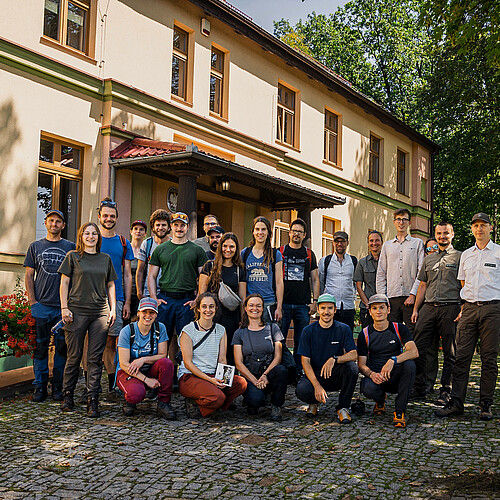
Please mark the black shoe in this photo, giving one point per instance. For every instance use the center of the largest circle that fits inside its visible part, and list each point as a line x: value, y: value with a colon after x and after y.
x: 417, y: 395
x: 68, y: 402
x: 165, y: 411
x: 93, y: 407
x: 192, y: 409
x: 152, y: 394
x: 486, y: 413
x: 40, y: 394
x: 449, y: 410
x: 57, y: 394
x: 276, y: 413
x: 128, y: 409
x: 444, y: 397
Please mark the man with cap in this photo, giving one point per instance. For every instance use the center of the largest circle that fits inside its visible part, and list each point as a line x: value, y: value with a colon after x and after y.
x: 214, y: 235
x: 336, y: 272
x: 42, y: 286
x: 385, y: 354
x: 329, y: 361
x: 479, y: 273
x: 209, y: 221
x: 142, y: 361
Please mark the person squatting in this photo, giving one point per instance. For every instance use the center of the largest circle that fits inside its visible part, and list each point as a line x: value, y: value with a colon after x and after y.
x: 210, y: 319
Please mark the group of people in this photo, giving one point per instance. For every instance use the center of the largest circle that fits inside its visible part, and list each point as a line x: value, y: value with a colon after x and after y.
x: 164, y: 312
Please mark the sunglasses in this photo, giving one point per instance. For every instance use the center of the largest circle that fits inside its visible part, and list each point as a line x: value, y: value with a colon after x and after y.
x: 433, y: 247
x: 179, y: 216
x: 111, y: 204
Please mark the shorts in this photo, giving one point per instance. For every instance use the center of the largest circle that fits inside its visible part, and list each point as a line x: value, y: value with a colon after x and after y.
x: 115, y: 330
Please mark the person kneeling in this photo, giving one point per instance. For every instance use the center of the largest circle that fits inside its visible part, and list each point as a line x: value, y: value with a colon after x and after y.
x: 386, y: 351
x: 142, y: 361
x: 329, y: 361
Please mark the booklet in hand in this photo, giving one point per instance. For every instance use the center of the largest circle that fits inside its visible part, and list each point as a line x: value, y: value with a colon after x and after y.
x: 225, y: 373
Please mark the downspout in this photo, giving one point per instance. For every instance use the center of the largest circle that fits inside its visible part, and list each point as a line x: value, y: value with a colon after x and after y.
x: 112, y: 182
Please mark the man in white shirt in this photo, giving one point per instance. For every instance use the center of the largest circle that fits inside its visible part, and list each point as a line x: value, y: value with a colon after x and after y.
x: 398, y: 266
x: 479, y: 272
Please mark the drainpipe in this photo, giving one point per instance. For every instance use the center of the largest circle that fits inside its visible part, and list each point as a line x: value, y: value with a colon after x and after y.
x: 112, y: 182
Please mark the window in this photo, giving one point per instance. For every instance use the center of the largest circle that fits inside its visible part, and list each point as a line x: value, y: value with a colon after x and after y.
x: 59, y: 179
x: 286, y: 131
x: 217, y: 82
x: 329, y: 227
x: 180, y: 63
x: 374, y: 173
x: 332, y: 138
x: 401, y: 186
x: 423, y: 189
x: 68, y: 22
x: 281, y: 234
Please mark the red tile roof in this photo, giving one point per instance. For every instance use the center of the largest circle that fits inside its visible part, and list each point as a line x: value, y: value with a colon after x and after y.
x: 138, y: 147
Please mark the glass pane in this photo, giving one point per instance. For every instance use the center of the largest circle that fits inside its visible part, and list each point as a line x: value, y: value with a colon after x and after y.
x: 51, y: 19
x: 68, y: 205
x: 328, y: 226
x: 423, y: 189
x: 331, y: 121
x: 401, y: 180
x: 288, y: 131
x: 375, y: 144
x: 217, y: 60
x: 43, y: 203
x: 279, y: 125
x: 70, y: 157
x: 332, y: 152
x: 215, y: 94
x: 284, y: 237
x: 180, y: 40
x: 76, y: 36
x: 374, y: 168
x: 327, y: 247
x: 46, y: 151
x: 401, y: 158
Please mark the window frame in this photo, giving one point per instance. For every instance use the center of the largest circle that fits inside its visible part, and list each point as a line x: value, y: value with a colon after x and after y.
x: 224, y: 87
x: 327, y: 237
x: 281, y: 109
x: 327, y: 133
x: 374, y: 154
x: 402, y: 167
x: 189, y: 59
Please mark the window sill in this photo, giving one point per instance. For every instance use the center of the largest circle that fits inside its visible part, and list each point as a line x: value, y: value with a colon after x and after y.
x: 219, y: 117
x: 331, y: 164
x: 403, y: 194
x: 45, y: 40
x: 286, y: 145
x: 181, y: 100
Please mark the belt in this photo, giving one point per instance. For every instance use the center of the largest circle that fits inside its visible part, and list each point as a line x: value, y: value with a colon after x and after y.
x: 484, y: 303
x: 437, y: 304
x: 179, y: 295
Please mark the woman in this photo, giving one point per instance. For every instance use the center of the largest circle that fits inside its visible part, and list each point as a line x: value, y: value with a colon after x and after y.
x: 197, y: 383
x: 264, y: 269
x: 137, y: 234
x: 87, y: 285
x: 431, y: 246
x: 142, y: 361
x: 226, y: 267
x: 257, y: 352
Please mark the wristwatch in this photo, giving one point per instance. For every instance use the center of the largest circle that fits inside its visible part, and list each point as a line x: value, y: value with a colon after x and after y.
x: 395, y: 359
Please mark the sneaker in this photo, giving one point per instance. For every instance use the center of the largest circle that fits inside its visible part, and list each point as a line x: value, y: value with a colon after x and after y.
x: 276, y: 413
x: 165, y: 411
x: 312, y: 410
x: 399, y: 419
x: 486, y: 413
x: 449, y: 410
x: 379, y: 408
x: 444, y: 397
x: 40, y: 394
x: 128, y: 409
x: 93, y: 408
x: 417, y: 395
x: 344, y: 416
x: 192, y: 409
x: 68, y: 402
x: 57, y: 394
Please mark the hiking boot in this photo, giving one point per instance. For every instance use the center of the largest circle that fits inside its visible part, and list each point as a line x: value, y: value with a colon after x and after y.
x: 128, y: 409
x: 486, y: 413
x: 115, y: 395
x: 416, y: 395
x: 444, y: 397
x: 344, y: 416
x: 57, y: 394
x: 165, y: 411
x: 93, y: 407
x: 192, y: 409
x: 151, y: 394
x: 450, y: 409
x: 399, y: 419
x: 67, y: 403
x: 312, y: 410
x: 40, y: 394
x: 276, y: 413
x: 379, y: 408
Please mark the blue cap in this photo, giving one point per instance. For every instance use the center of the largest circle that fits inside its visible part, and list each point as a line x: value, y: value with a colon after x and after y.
x: 58, y: 212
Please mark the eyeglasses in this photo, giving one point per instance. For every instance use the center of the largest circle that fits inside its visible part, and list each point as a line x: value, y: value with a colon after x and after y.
x: 433, y: 247
x: 297, y: 231
x: 210, y: 224
x: 401, y: 221
x: 111, y: 204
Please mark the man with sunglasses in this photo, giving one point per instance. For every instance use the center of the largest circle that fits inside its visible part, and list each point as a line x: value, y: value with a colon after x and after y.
x: 436, y: 310
x: 398, y: 266
x: 209, y: 222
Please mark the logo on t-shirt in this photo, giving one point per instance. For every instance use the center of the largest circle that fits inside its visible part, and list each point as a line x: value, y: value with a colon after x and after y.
x: 257, y: 274
x: 50, y: 259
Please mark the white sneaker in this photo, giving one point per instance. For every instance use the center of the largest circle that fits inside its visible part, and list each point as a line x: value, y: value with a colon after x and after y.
x: 312, y: 410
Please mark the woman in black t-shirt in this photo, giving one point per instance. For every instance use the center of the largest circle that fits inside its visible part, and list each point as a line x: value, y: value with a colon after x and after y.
x: 228, y: 268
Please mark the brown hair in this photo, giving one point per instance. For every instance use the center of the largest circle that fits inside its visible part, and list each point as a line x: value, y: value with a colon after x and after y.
x: 215, y: 273
x: 197, y: 303
x: 402, y: 211
x: 80, y: 247
x: 159, y: 214
x: 244, y: 316
x: 268, y: 248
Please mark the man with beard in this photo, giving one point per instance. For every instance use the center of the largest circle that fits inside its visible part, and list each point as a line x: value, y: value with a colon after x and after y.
x: 209, y: 221
x: 214, y: 235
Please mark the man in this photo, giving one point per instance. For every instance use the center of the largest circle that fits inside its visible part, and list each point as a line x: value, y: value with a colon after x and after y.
x: 214, y: 235
x: 159, y: 222
x: 209, y: 221
x: 300, y: 271
x: 121, y: 253
x: 386, y: 351
x: 436, y: 310
x: 42, y: 286
x: 365, y: 276
x: 180, y: 261
x: 398, y: 266
x: 329, y: 361
x: 336, y: 278
x: 479, y: 273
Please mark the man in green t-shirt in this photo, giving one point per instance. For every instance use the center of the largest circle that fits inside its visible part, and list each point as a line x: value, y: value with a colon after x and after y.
x: 180, y: 261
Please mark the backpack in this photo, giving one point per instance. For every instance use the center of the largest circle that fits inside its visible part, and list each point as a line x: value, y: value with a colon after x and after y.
x: 246, y: 253
x: 149, y: 246
x: 309, y: 257
x: 328, y: 259
x: 396, y: 329
x: 123, y: 241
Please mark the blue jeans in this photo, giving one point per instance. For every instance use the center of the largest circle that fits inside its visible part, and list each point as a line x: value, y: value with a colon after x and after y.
x: 45, y: 318
x: 174, y: 314
x: 300, y: 316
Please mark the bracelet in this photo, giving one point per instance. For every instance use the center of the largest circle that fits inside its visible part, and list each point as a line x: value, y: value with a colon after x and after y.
x: 144, y: 379
x: 63, y: 308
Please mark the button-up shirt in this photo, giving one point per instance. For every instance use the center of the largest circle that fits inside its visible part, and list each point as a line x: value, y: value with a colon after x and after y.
x: 439, y: 271
x: 366, y: 272
x: 338, y: 280
x: 398, y: 267
x: 480, y: 269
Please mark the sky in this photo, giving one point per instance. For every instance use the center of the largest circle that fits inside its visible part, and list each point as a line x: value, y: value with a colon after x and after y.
x: 264, y: 12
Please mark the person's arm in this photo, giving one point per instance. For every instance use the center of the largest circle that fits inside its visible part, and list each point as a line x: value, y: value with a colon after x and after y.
x: 381, y: 280
x: 375, y: 377
x: 29, y: 283
x: 242, y: 293
x: 222, y: 350
x: 315, y: 289
x: 420, y: 260
x: 419, y: 300
x: 263, y: 381
x: 319, y: 393
x: 240, y: 366
x: 327, y: 368
x: 280, y: 289
x: 112, y: 302
x: 203, y: 283
x: 139, y: 278
x: 362, y: 294
x: 127, y: 288
x: 66, y: 314
x: 322, y: 277
x: 152, y: 275
x: 133, y: 368
x: 410, y: 352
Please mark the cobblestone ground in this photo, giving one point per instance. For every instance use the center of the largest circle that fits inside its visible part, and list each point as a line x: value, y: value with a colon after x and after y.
x: 47, y: 454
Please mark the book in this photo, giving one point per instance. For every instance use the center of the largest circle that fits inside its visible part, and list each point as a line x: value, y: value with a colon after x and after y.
x: 225, y: 373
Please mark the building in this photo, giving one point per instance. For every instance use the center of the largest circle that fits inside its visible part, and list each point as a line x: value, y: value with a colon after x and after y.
x: 189, y: 103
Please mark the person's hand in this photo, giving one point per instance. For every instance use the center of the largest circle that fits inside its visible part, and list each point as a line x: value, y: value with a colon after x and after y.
x: 126, y: 311
x: 136, y: 365
x: 320, y: 394
x: 313, y: 307
x: 410, y: 300
x: 189, y: 303
x: 387, y: 369
x: 278, y: 314
x: 458, y: 317
x: 152, y: 383
x: 414, y: 316
x: 111, y: 317
x: 218, y: 383
x: 376, y: 378
x: 67, y: 316
x: 160, y: 301
x: 263, y: 382
x: 326, y: 370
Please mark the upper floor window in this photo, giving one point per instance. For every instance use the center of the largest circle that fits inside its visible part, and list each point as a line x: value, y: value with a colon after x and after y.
x: 332, y: 138
x: 330, y: 226
x: 375, y: 152
x: 282, y: 228
x: 401, y: 186
x: 287, y: 116
x: 217, y: 64
x: 423, y: 189
x: 180, y: 63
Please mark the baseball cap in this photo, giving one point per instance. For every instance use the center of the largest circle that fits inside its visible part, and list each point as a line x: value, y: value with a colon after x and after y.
x: 216, y: 229
x: 378, y: 298
x: 139, y: 222
x: 57, y: 212
x: 326, y: 297
x: 481, y: 216
x: 148, y: 303
x: 340, y: 234
x: 179, y: 216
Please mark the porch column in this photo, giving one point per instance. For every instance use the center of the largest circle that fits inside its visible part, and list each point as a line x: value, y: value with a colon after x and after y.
x: 304, y: 212
x: 187, y: 199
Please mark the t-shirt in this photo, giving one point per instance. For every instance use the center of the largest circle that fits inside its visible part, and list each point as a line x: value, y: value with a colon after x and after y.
x: 179, y: 265
x: 260, y: 277
x: 320, y: 344
x: 90, y: 274
x: 45, y: 257
x: 114, y: 248
x: 206, y: 356
x: 202, y: 242
x: 296, y: 274
x: 261, y: 341
x: 142, y: 343
x: 231, y: 276
x: 382, y: 345
x: 145, y: 252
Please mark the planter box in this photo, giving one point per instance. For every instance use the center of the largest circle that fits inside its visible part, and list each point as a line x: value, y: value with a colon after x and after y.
x: 12, y: 363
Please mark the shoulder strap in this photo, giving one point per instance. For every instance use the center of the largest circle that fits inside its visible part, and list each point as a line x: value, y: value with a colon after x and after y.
x: 282, y: 252
x: 204, y: 337
x: 354, y: 261
x: 396, y: 328
x: 328, y: 259
x: 246, y: 253
x: 123, y: 241
x: 149, y: 246
x: 309, y: 256
x: 273, y: 267
x: 132, y: 334
x: 367, y: 337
